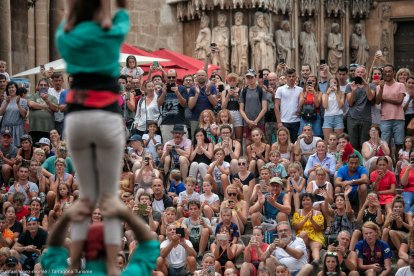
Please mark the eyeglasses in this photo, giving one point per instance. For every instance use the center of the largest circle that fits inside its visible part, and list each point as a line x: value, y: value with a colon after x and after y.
x: 171, y: 78
x: 320, y: 174
x: 232, y: 194
x: 188, y: 80
x: 31, y: 219
x: 354, y: 65
x: 242, y: 163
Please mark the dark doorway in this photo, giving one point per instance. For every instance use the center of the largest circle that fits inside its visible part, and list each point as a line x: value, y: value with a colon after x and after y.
x: 404, y: 45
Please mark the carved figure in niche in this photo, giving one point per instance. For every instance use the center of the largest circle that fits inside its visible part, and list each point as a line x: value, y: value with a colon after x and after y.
x: 335, y: 47
x: 283, y: 6
x: 269, y: 61
x: 203, y: 39
x: 239, y: 45
x: 257, y: 37
x: 221, y: 2
x: 203, y: 4
x: 235, y: 2
x: 359, y: 46
x: 386, y: 11
x: 221, y: 35
x: 284, y: 43
x: 308, y: 47
x: 190, y: 10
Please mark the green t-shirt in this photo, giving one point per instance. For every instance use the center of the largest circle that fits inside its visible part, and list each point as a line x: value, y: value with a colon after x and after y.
x: 142, y: 262
x: 40, y: 119
x: 90, y: 49
x: 49, y: 165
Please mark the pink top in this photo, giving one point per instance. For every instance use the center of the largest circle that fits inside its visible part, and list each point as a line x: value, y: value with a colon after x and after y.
x: 185, y: 144
x: 383, y: 185
x: 391, y: 111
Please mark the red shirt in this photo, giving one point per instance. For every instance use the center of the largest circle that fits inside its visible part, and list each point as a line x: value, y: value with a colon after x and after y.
x: 23, y: 213
x: 410, y: 185
x: 383, y: 185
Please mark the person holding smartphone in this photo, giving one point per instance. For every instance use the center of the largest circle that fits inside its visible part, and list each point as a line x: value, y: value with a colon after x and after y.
x: 253, y: 253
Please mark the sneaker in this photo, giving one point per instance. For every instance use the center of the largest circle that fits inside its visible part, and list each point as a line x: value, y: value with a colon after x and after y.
x: 315, y: 265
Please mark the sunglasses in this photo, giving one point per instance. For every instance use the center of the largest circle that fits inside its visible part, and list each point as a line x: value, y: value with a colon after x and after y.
x: 171, y: 78
x: 232, y: 194
x: 242, y: 163
x: 31, y: 219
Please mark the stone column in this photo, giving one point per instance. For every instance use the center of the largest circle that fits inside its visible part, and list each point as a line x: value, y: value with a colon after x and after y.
x: 320, y: 31
x: 31, y: 59
x: 347, y: 30
x: 5, y: 34
x: 295, y: 30
x: 56, y: 15
x: 41, y: 14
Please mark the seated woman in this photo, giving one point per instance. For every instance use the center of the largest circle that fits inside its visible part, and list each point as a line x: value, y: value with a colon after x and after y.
x: 36, y: 176
x: 309, y: 225
x: 374, y: 148
x: 210, y: 202
x: 207, y: 266
x: 231, y: 147
x: 12, y: 223
x: 406, y: 244
x: 407, y: 181
x: 339, y: 219
x: 244, y: 179
x: 347, y: 259
x: 201, y: 154
x: 370, y: 211
x: 253, y: 252
x: 318, y: 187
x: 397, y: 223
x: 36, y: 211
x: 331, y: 265
x: 145, y: 175
x: 224, y: 250
x: 288, y: 152
x: 126, y: 183
x: 404, y: 153
x: 322, y: 160
x: 383, y: 181
x: 25, y: 153
x: 238, y: 206
x: 257, y: 151
x: 218, y: 173
x: 55, y: 179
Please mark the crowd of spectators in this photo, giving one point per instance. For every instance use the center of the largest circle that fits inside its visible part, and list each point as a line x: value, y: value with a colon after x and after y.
x: 270, y: 173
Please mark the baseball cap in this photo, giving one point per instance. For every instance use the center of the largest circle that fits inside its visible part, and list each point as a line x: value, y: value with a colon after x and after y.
x: 276, y: 180
x: 6, y: 132
x: 44, y: 141
x: 251, y: 72
x: 11, y: 261
x: 135, y: 137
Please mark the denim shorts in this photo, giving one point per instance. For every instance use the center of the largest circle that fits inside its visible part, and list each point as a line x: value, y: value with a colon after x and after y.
x: 335, y: 122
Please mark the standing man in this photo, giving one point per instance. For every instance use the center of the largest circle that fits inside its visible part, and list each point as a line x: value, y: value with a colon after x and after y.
x: 56, y: 90
x: 390, y: 94
x: 173, y: 103
x: 200, y: 98
x: 8, y: 153
x: 359, y: 95
x: 304, y: 74
x: 270, y: 119
x: 286, y: 105
x: 252, y: 105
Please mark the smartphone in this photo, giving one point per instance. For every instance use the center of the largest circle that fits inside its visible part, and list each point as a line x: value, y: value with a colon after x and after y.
x: 210, y: 270
x: 282, y: 61
x: 275, y: 236
x: 376, y: 77
x: 411, y: 160
x: 212, y: 44
x: 358, y: 80
x: 221, y: 87
x: 180, y: 231
x: 38, y: 171
x: 137, y: 91
x: 121, y: 87
x: 336, y: 243
x: 147, y: 159
x: 142, y: 208
x: 253, y: 239
x: 266, y: 83
x: 322, y: 61
x: 155, y: 64
x: 43, y: 91
x: 42, y: 67
x: 221, y: 237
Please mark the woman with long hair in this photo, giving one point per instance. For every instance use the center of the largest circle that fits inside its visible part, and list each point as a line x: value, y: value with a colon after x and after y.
x: 310, y: 101
x: 288, y: 152
x: 331, y: 265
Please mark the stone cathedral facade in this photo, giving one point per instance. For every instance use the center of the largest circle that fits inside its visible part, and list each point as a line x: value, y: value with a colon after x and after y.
x: 259, y: 33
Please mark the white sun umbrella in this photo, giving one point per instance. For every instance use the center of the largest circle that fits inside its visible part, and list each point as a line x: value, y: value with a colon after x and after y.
x: 60, y: 65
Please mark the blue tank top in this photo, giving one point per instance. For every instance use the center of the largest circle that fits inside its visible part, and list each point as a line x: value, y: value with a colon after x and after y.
x: 269, y: 210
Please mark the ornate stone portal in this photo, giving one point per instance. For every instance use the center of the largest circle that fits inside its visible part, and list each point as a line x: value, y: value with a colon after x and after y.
x: 265, y: 32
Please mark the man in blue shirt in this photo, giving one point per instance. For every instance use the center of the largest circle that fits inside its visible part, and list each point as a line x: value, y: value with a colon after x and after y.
x: 354, y: 175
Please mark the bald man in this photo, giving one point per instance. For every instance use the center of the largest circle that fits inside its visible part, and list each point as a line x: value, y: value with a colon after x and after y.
x: 202, y: 96
x: 173, y: 102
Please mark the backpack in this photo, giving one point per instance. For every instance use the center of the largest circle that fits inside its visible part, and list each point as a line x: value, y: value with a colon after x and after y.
x: 258, y: 88
x: 308, y: 112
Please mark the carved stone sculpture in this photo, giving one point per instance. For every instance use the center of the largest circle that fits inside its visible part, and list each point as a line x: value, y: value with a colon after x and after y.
x: 359, y: 46
x: 203, y: 39
x: 257, y: 38
x: 309, y: 7
x: 284, y: 43
x: 335, y: 7
x: 270, y: 59
x: 308, y: 47
x: 239, y: 45
x: 283, y: 6
x: 235, y: 2
x: 221, y: 35
x: 335, y: 47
